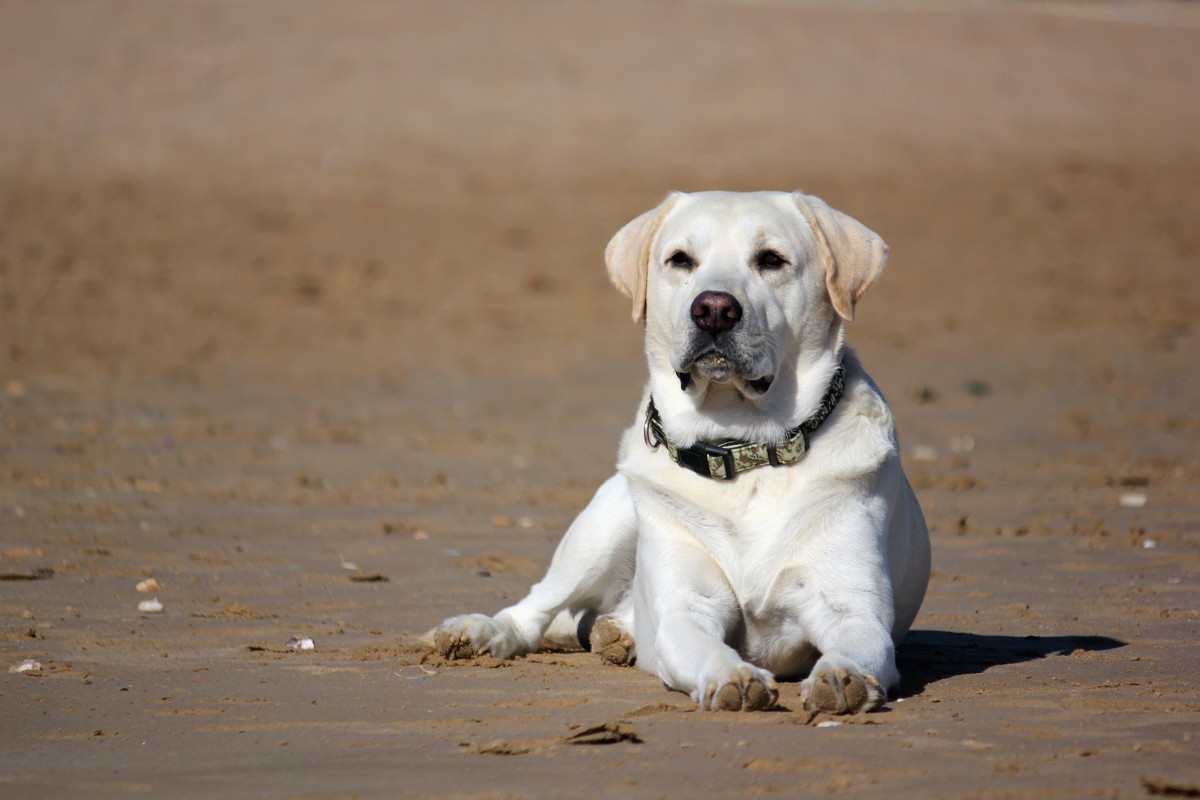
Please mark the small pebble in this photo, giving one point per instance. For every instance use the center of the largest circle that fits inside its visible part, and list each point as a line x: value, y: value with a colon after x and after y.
x: 150, y: 606
x: 923, y: 452
x: 977, y: 388
x: 28, y: 665
x: 829, y: 723
x: 416, y: 673
x: 962, y: 444
x: 150, y: 585
x: 1149, y: 544
x: 301, y: 643
x: 1133, y: 500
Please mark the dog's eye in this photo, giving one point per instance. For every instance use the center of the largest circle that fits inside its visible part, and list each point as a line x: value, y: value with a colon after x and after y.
x: 769, y: 259
x: 681, y: 260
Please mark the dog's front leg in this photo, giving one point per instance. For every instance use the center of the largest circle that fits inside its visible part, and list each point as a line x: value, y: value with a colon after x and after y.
x: 849, y: 611
x: 590, y: 569
x: 684, y: 613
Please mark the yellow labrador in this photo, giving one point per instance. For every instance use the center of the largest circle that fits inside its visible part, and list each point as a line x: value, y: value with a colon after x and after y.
x: 759, y: 524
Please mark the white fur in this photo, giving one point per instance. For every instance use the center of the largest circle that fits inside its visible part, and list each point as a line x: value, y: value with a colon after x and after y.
x: 815, y: 569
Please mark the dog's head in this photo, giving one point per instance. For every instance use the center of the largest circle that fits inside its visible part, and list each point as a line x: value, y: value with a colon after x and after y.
x: 737, y: 289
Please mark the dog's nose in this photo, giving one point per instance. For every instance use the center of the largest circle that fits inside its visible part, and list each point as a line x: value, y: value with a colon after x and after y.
x: 716, y: 311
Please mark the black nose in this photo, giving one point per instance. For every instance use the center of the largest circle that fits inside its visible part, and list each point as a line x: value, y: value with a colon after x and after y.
x: 716, y: 311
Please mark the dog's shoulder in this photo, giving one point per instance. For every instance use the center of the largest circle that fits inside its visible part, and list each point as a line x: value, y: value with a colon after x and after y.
x: 863, y: 403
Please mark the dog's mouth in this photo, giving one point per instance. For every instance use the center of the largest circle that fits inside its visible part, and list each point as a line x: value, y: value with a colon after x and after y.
x: 721, y: 367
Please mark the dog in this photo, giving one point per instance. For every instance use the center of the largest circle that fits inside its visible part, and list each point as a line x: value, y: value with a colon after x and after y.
x: 759, y: 525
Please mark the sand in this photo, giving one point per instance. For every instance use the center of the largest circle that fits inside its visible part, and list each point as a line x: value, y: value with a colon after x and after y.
x: 303, y: 316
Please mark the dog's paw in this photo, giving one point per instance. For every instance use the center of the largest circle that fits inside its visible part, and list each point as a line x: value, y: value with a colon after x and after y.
x: 470, y: 635
x: 450, y: 644
x: 612, y: 644
x: 838, y: 686
x: 747, y: 688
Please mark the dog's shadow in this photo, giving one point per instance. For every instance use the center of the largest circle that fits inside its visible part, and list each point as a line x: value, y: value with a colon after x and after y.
x: 926, y: 657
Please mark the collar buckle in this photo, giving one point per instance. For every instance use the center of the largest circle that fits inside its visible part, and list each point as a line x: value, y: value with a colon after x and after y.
x: 697, y: 459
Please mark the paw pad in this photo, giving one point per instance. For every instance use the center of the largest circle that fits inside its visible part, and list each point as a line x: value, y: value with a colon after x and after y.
x: 612, y: 644
x: 843, y: 692
x: 741, y: 694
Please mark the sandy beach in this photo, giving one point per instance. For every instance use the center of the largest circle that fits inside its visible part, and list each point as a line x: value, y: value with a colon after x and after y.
x: 305, y: 335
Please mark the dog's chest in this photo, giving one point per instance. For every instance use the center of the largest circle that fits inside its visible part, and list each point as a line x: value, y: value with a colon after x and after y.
x: 769, y: 568
x: 752, y: 527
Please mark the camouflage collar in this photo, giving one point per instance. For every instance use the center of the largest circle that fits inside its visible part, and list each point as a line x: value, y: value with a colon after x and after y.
x: 723, y: 461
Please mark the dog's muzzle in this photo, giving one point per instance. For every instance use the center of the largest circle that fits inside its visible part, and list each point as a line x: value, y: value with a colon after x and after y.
x: 715, y: 348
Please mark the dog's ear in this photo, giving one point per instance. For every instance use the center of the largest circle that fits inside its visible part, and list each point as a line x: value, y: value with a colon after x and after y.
x: 854, y: 254
x: 628, y: 255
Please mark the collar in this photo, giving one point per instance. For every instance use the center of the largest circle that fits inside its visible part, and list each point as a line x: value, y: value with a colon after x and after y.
x: 723, y: 461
